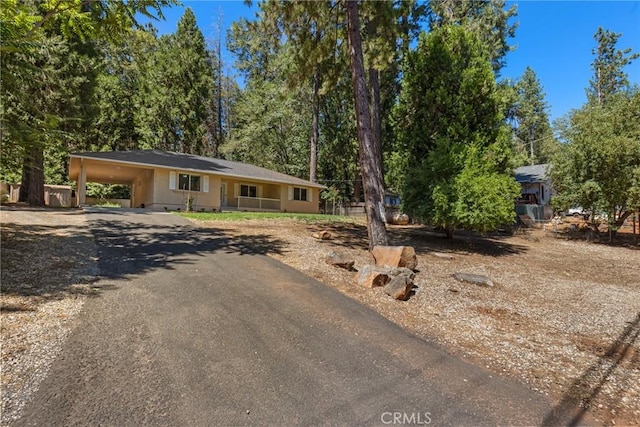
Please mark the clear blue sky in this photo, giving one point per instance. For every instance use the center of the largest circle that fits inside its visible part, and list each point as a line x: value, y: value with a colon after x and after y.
x: 554, y: 38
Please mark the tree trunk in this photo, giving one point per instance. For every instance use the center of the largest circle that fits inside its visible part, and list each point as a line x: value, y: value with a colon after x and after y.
x: 315, y: 132
x: 376, y: 122
x: 32, y: 186
x: 370, y: 164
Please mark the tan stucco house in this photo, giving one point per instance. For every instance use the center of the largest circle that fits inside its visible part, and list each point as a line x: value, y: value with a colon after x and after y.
x: 166, y: 180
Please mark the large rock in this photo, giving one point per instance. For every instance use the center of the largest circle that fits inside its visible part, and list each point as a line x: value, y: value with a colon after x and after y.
x: 400, y: 219
x: 371, y: 276
x: 399, y: 287
x: 395, y: 256
x: 338, y: 259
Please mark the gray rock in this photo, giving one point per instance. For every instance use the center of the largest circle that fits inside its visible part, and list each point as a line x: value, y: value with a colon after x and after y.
x: 476, y: 279
x: 399, y: 287
x: 338, y: 259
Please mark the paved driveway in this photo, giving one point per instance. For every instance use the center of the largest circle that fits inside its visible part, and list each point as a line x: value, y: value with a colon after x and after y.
x: 191, y: 327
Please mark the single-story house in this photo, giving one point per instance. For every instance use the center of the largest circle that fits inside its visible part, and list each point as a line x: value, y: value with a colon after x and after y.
x: 165, y: 180
x: 535, y: 192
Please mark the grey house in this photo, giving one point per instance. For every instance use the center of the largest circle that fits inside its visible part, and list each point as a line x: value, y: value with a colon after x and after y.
x: 535, y: 191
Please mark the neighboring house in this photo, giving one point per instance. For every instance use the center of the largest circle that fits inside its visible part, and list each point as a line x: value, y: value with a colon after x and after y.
x: 166, y: 180
x: 391, y: 199
x: 535, y: 192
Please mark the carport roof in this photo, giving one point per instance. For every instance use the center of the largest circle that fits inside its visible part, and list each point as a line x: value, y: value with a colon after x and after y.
x: 189, y: 162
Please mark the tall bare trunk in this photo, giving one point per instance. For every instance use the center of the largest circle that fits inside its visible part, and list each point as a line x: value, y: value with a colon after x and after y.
x: 315, y: 130
x: 376, y: 123
x: 32, y: 186
x: 370, y: 163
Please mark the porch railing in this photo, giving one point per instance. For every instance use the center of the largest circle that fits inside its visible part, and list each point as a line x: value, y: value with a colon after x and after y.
x: 260, y: 203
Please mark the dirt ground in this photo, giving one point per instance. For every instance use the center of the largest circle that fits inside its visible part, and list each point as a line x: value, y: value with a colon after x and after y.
x: 563, y: 317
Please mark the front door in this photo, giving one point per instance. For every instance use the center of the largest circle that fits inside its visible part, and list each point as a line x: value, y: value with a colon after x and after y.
x: 223, y: 194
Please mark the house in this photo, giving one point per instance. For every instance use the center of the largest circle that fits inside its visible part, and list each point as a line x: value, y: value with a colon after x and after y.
x: 536, y: 191
x: 165, y: 180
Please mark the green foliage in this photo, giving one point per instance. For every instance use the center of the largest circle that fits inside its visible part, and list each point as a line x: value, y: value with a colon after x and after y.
x: 455, y: 146
x: 599, y: 166
x: 608, y: 67
x: 488, y: 19
x: 532, y: 131
x: 175, y: 91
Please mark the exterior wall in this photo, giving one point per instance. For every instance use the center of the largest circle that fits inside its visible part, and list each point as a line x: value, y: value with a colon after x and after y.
x: 299, y: 206
x: 142, y: 188
x: 164, y: 197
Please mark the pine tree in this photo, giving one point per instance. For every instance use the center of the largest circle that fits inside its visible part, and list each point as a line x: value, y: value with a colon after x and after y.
x: 532, y: 121
x: 608, y: 67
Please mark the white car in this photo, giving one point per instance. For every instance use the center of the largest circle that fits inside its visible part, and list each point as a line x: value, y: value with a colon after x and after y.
x: 578, y: 211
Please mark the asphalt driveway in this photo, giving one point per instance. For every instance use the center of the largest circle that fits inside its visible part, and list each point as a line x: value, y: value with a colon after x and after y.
x: 191, y: 327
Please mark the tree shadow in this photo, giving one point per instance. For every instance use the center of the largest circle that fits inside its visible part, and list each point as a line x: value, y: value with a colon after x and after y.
x: 424, y: 239
x: 46, y: 262
x: 580, y: 396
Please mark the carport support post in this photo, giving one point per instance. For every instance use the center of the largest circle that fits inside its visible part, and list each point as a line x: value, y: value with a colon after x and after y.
x: 82, y: 184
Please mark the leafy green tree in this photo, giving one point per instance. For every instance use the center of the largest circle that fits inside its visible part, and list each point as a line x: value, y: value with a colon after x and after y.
x: 608, y: 67
x: 599, y: 165
x: 455, y: 143
x: 532, y: 121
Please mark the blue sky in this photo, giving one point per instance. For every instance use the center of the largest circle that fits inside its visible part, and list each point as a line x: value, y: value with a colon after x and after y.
x: 554, y: 38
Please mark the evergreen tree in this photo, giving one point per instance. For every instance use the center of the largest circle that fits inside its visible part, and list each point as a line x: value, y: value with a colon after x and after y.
x: 608, y: 67
x: 456, y: 146
x: 532, y: 121
x: 488, y: 19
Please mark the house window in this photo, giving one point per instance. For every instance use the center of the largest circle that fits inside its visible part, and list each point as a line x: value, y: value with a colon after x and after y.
x: 189, y: 182
x: 300, y: 194
x: 248, y: 190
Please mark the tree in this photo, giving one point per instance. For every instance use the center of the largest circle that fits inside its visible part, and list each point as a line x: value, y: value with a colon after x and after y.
x: 488, y: 19
x: 370, y: 160
x: 454, y: 139
x: 608, y: 67
x: 532, y: 121
x: 598, y: 167
x: 598, y: 164
x: 27, y: 30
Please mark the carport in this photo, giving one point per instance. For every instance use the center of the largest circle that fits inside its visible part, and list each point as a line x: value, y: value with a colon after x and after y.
x: 84, y: 170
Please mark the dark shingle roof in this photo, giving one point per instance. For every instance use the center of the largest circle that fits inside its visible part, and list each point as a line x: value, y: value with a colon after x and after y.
x: 189, y: 162
x: 534, y: 173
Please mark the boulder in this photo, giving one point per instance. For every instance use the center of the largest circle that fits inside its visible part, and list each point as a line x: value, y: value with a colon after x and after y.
x: 371, y: 276
x: 399, y: 287
x: 338, y: 259
x: 399, y: 219
x: 476, y: 279
x: 322, y: 235
x: 395, y: 256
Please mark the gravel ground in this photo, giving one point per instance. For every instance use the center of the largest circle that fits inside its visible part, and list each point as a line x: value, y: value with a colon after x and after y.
x: 563, y: 317
x: 47, y: 262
